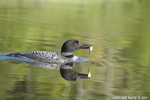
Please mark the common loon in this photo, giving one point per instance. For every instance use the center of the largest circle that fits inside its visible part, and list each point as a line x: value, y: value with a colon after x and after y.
x: 50, y: 56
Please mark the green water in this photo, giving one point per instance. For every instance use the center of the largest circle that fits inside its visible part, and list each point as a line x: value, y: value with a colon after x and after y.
x: 119, y: 30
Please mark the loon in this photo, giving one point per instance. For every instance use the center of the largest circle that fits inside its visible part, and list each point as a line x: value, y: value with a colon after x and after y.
x: 50, y: 56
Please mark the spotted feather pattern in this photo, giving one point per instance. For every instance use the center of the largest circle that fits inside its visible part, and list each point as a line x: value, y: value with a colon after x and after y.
x: 42, y: 56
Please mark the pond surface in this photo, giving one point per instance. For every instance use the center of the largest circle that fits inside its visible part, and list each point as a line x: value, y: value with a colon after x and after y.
x: 118, y: 30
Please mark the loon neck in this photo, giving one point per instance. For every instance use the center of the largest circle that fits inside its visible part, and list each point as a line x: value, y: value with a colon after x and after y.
x: 67, y: 54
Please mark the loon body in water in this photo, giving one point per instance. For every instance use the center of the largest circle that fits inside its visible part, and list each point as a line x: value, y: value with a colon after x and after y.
x: 50, y: 56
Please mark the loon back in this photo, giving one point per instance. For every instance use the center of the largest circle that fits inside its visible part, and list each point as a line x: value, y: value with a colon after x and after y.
x: 41, y: 56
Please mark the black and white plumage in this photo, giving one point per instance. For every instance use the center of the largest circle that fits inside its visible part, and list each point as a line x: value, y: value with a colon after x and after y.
x: 40, y: 56
x: 43, y: 58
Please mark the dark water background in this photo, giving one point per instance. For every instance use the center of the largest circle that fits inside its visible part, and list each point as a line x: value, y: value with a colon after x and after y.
x: 119, y: 30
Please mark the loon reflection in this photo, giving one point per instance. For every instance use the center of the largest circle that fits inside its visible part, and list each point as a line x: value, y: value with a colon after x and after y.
x: 65, y: 70
x: 68, y: 74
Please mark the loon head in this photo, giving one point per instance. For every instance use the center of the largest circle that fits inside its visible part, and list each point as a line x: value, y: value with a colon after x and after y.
x: 72, y: 45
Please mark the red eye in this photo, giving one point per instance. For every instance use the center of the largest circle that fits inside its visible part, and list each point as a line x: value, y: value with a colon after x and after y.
x: 76, y: 44
x: 74, y: 77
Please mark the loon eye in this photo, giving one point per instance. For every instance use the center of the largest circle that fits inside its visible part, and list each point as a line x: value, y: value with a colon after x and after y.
x: 76, y: 44
x: 74, y: 77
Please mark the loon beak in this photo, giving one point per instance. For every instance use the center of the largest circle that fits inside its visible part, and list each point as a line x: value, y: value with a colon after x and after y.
x: 86, y: 46
x: 84, y: 76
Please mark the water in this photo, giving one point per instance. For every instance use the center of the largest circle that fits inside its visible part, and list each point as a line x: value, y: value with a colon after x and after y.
x: 118, y: 30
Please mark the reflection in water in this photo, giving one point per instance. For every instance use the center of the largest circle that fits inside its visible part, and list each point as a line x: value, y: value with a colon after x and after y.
x: 70, y: 75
